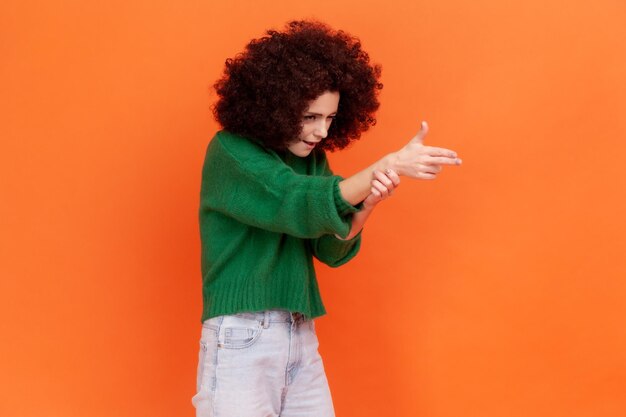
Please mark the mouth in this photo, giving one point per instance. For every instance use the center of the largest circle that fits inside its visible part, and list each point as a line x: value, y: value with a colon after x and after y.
x: 310, y: 144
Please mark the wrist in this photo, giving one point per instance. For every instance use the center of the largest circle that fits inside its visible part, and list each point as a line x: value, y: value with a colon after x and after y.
x: 367, y: 208
x: 390, y: 161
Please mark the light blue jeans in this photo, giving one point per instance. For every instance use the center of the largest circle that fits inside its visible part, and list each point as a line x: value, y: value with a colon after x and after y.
x: 263, y: 364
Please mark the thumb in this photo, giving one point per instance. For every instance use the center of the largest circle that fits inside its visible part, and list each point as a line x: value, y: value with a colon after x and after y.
x: 419, y: 138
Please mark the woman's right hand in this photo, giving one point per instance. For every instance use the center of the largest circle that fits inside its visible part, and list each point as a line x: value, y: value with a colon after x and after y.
x: 416, y: 160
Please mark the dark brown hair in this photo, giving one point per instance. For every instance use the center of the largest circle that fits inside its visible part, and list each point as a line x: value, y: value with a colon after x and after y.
x: 266, y: 89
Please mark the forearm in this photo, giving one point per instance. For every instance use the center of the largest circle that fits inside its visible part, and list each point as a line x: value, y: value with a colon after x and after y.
x: 358, y: 221
x: 269, y: 194
x: 414, y: 160
x: 356, y: 188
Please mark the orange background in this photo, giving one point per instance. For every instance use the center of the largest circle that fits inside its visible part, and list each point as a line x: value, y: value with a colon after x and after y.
x: 497, y: 290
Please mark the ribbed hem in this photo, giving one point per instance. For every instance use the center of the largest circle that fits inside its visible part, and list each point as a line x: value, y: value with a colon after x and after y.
x: 254, y: 294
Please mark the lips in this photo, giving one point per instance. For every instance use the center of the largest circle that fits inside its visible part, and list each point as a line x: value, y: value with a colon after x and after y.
x: 311, y: 144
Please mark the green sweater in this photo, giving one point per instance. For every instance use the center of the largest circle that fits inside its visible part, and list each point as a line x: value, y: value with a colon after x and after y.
x: 263, y: 216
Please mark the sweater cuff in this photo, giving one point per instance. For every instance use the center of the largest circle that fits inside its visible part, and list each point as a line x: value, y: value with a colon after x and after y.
x: 343, y: 207
x: 335, y: 252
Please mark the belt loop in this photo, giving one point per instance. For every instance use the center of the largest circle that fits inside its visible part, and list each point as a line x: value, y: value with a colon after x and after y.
x: 297, y: 317
x: 266, y: 319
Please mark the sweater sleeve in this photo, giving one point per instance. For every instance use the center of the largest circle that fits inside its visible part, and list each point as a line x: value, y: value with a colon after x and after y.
x: 328, y: 248
x: 242, y: 180
x: 335, y: 252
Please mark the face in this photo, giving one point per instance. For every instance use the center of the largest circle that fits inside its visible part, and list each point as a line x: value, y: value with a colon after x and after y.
x: 315, y: 123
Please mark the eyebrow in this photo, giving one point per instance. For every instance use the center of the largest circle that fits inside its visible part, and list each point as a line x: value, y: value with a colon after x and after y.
x: 318, y: 114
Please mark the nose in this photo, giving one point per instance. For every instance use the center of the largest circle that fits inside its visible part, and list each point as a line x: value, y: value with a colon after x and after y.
x: 322, y: 129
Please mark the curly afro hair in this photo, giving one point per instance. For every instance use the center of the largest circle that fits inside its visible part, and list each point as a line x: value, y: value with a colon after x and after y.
x: 266, y: 89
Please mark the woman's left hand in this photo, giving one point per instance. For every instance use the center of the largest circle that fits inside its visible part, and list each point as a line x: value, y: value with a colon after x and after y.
x: 383, y: 185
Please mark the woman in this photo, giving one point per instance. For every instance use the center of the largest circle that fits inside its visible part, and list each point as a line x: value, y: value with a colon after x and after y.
x: 270, y: 203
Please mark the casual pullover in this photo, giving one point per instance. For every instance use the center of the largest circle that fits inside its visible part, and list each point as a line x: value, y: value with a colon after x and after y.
x: 263, y: 216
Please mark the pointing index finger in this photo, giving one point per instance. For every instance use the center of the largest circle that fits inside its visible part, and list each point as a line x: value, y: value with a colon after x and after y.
x: 434, y: 151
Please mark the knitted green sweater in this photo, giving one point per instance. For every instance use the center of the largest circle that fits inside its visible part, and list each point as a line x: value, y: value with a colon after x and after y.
x: 263, y: 216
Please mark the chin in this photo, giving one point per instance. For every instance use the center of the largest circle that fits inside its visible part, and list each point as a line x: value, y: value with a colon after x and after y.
x: 302, y: 153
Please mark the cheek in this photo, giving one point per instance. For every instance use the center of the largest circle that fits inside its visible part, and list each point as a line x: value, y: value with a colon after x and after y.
x: 306, y: 131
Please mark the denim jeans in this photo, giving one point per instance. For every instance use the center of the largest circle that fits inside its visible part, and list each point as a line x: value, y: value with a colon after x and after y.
x: 262, y: 364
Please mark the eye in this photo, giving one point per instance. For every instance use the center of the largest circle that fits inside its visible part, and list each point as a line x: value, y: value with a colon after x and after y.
x: 309, y: 118
x: 332, y: 117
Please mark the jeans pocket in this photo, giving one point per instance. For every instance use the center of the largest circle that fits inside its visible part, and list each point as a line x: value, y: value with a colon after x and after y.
x: 238, y: 333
